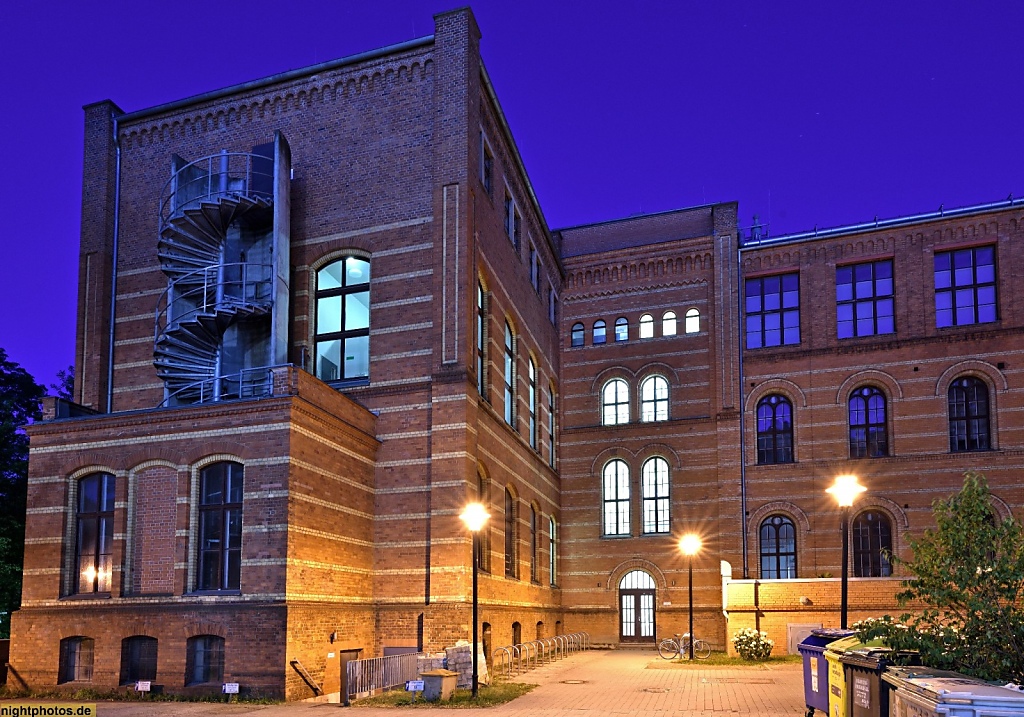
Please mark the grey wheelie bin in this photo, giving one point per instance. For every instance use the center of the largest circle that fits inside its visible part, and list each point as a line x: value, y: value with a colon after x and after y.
x: 917, y: 692
x: 816, y: 668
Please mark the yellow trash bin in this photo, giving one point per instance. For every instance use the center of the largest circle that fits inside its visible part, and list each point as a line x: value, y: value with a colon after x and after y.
x: 836, y: 679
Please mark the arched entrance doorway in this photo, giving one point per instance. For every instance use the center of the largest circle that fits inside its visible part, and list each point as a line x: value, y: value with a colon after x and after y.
x: 636, y: 607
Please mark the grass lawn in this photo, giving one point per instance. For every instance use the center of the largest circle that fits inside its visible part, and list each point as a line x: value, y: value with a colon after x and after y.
x: 498, y: 693
x: 722, y: 659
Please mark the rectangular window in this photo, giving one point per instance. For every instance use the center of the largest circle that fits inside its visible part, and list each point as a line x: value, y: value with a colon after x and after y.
x: 552, y: 304
x: 773, y: 310
x: 481, y: 342
x: 551, y: 426
x: 510, y: 378
x: 864, y: 299
x: 965, y: 287
x: 486, y: 166
x: 513, y: 222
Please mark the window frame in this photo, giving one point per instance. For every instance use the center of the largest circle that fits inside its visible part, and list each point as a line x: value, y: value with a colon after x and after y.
x: 552, y: 551
x: 76, y: 659
x: 212, y: 666
x: 875, y: 443
x: 965, y: 431
x: 531, y: 395
x: 691, y: 321
x: 869, y: 546
x: 599, y: 338
x: 577, y: 335
x: 621, y: 330
x: 984, y: 281
x: 483, y: 491
x: 775, y: 523
x: 849, y: 299
x: 510, y: 377
x: 136, y: 661
x: 654, y: 409
x: 343, y: 335
x: 775, y: 445
x: 94, y: 565
x: 619, y: 402
x: 762, y: 301
x: 227, y: 559
x: 481, y: 342
x: 511, y: 534
x: 646, y: 326
x: 534, y: 545
x: 615, y: 499
x: 656, y: 496
x: 552, y: 445
x: 669, y: 324
x: 486, y: 165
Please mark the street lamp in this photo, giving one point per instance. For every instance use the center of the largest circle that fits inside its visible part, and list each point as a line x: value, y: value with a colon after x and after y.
x: 690, y: 545
x: 845, y: 490
x: 475, y: 517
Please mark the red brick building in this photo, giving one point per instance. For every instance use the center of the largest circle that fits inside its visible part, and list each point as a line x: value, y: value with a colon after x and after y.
x: 343, y: 317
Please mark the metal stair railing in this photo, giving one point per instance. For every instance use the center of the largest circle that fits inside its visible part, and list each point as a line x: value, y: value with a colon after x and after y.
x: 255, y: 382
x: 208, y: 179
x: 221, y: 287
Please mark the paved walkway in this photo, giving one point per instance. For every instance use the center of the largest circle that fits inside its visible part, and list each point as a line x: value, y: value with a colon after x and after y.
x: 589, y: 684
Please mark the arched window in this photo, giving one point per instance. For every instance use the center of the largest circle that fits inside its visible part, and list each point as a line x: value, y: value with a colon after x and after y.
x: 646, y: 326
x: 483, y: 494
x: 774, y: 430
x: 616, y: 498
x: 75, y: 661
x: 95, y: 540
x: 552, y: 551
x: 534, y: 546
x: 204, y: 660
x: 511, y: 536
x: 621, y: 329
x: 778, y: 548
x: 599, y: 332
x: 531, y: 395
x: 968, y: 415
x: 138, y: 659
x: 868, y: 432
x: 655, y: 493
x: 872, y: 544
x: 615, y: 403
x: 577, y: 334
x: 481, y: 341
x: 220, y: 527
x: 668, y: 324
x: 692, y: 324
x: 510, y: 377
x: 343, y: 320
x: 551, y: 425
x: 654, y: 399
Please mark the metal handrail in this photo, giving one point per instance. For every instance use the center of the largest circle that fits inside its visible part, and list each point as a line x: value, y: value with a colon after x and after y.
x: 214, y: 287
x: 235, y: 386
x: 225, y: 174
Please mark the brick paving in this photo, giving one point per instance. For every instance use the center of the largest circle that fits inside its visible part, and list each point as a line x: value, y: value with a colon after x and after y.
x: 590, y: 684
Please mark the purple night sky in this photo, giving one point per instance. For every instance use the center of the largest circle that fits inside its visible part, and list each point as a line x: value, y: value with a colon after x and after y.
x: 807, y: 113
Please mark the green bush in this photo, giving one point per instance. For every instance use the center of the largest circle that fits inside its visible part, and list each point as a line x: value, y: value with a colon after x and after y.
x: 753, y: 645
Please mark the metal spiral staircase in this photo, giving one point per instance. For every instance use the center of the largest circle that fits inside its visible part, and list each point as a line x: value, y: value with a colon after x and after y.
x: 218, y: 305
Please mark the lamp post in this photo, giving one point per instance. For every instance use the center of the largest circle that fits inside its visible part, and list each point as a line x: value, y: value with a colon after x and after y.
x: 475, y: 517
x: 845, y: 490
x: 690, y: 545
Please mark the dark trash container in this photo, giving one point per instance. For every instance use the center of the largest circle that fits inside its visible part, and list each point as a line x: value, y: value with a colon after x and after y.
x: 816, y: 668
x: 921, y: 691
x: 868, y: 695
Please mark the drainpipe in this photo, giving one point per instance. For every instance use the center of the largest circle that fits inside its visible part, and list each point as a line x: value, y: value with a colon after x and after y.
x: 113, y: 270
x: 743, y: 394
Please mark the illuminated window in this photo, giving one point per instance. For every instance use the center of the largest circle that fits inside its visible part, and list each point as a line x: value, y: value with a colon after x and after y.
x: 481, y: 341
x: 773, y: 311
x: 778, y: 548
x: 864, y: 299
x: 95, y: 541
x: 668, y: 324
x: 655, y: 495
x: 692, y: 321
x: 343, y: 320
x: 531, y: 395
x: 869, y: 437
x: 872, y: 545
x: 577, y: 334
x: 646, y: 326
x: 965, y: 287
x: 510, y: 377
x: 621, y: 329
x: 615, y: 403
x: 774, y: 430
x: 616, y: 498
x: 654, y: 399
x: 599, y: 332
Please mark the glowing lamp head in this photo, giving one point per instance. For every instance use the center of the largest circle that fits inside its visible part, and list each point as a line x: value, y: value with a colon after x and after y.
x: 475, y: 516
x: 690, y: 544
x: 845, y: 490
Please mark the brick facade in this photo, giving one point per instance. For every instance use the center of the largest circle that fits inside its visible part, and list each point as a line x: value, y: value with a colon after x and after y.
x: 348, y: 536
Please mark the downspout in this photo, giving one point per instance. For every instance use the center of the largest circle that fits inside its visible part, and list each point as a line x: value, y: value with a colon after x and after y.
x: 113, y: 270
x: 743, y: 461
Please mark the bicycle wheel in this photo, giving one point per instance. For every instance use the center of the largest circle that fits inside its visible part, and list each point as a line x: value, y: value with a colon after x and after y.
x: 701, y: 650
x: 668, y: 649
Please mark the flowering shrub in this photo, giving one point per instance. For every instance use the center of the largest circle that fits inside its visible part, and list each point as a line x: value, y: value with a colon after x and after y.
x: 752, y: 645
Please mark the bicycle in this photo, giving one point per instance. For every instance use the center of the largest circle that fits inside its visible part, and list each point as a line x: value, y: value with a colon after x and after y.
x: 679, y: 646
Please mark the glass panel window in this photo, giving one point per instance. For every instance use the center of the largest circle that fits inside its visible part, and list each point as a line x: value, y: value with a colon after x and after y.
x: 510, y: 377
x: 343, y: 320
x: 577, y: 334
x: 220, y: 527
x: 486, y: 166
x: 599, y: 332
x: 553, y: 551
x: 138, y: 659
x: 481, y: 341
x: 615, y: 403
x: 968, y: 415
x: 668, y: 324
x: 531, y: 395
x: 76, y: 660
x: 872, y: 545
x: 646, y: 326
x: 864, y: 299
x: 655, y: 490
x: 654, y: 399
x: 773, y: 311
x: 534, y: 546
x: 692, y: 325
x: 616, y: 498
x: 204, y: 660
x: 551, y: 426
x: 621, y: 329
x: 774, y: 430
x: 95, y: 519
x: 484, y: 496
x: 778, y: 548
x: 511, y: 536
x: 965, y: 287
x: 868, y: 428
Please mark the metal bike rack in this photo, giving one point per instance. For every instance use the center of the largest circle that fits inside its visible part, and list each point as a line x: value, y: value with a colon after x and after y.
x: 527, y: 655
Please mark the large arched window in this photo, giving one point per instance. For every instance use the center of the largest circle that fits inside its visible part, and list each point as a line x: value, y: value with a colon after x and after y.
x: 872, y: 544
x: 483, y: 494
x: 95, y: 540
x: 552, y: 551
x: 481, y: 341
x: 774, y: 430
x: 655, y: 495
x: 531, y: 396
x: 778, y: 548
x: 615, y: 403
x: 600, y: 332
x: 343, y: 320
x: 621, y: 329
x: 577, y: 334
x: 869, y: 436
x: 138, y: 659
x: 220, y: 527
x: 551, y: 425
x: 668, y: 324
x: 510, y: 377
x: 692, y: 324
x: 646, y: 326
x: 654, y: 399
x: 204, y: 660
x: 511, y: 535
x: 616, y: 498
x: 968, y: 415
x: 534, y: 545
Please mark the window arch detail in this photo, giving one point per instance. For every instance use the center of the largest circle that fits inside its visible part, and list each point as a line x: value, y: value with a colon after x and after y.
x: 654, y: 401
x: 342, y: 320
x: 969, y: 412
x: 872, y: 544
x: 94, y: 520
x: 576, y: 336
x: 691, y: 324
x: 621, y: 329
x: 511, y: 534
x: 600, y: 332
x: 646, y: 326
x: 869, y: 434
x: 655, y: 484
x: 615, y: 491
x: 510, y: 376
x: 778, y: 548
x: 774, y: 430
x: 668, y: 324
x: 615, y: 403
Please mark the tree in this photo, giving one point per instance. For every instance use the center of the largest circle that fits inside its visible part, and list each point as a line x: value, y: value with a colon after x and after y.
x: 19, y: 405
x: 969, y: 572
x: 64, y: 386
